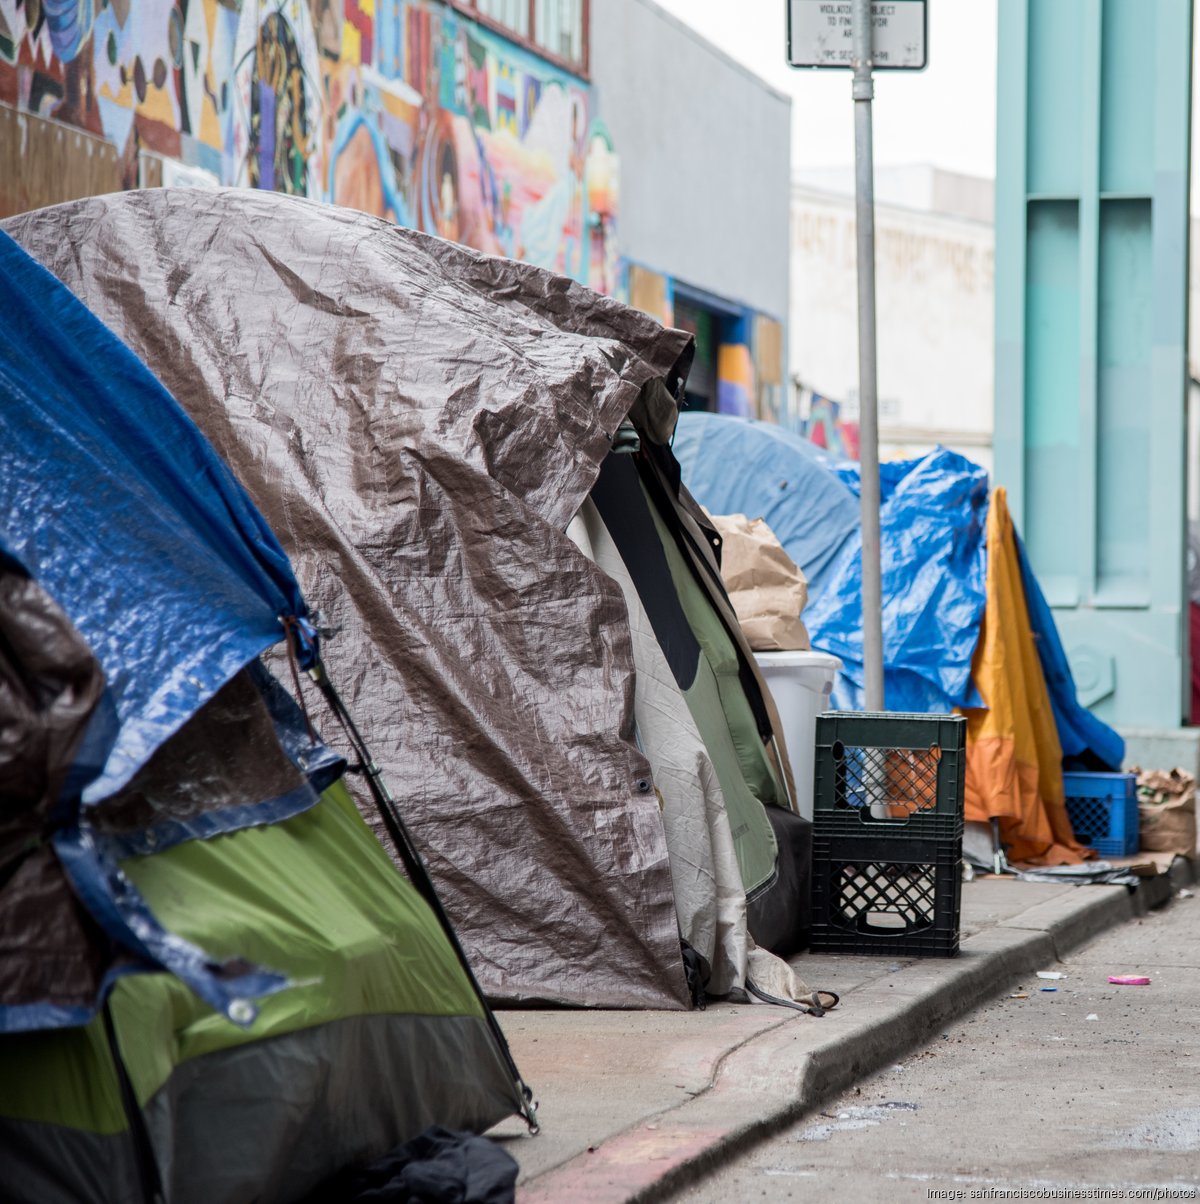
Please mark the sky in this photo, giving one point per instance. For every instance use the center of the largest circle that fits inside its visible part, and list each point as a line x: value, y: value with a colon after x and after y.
x: 944, y: 115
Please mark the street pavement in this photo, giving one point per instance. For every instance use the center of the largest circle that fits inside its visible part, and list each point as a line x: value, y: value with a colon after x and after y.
x: 637, y: 1104
x: 1059, y: 1084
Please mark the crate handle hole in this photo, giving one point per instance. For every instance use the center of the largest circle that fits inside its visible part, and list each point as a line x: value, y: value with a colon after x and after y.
x: 838, y: 750
x: 890, y: 921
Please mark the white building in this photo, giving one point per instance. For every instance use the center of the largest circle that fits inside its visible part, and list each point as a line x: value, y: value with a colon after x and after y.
x: 934, y: 261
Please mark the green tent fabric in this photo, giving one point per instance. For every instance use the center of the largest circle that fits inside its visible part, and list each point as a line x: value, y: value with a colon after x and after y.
x: 380, y: 1036
x: 722, y: 713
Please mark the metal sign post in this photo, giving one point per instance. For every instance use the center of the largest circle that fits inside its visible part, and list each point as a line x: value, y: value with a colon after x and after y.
x: 863, y: 90
x: 840, y: 34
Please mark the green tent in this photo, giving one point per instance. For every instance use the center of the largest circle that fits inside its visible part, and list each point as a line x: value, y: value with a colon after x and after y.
x: 380, y: 1035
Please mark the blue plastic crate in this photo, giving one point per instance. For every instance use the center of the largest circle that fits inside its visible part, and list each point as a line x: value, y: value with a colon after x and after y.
x: 1103, y: 810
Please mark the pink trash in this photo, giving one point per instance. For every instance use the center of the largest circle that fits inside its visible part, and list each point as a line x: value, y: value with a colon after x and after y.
x: 1128, y: 980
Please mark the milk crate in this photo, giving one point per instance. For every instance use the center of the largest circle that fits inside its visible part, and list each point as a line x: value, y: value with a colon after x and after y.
x: 884, y: 774
x: 887, y: 834
x: 1103, y: 810
x: 867, y: 900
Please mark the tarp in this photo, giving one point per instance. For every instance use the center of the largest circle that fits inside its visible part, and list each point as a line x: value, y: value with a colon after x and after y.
x: 111, y: 496
x: 1014, y: 760
x: 931, y: 524
x: 140, y: 581
x: 419, y: 423
x: 735, y: 466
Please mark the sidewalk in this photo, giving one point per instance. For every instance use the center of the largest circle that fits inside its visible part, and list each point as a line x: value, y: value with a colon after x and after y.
x: 636, y: 1104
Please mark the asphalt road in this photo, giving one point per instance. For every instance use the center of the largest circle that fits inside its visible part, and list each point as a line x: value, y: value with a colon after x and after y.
x: 1087, y: 1086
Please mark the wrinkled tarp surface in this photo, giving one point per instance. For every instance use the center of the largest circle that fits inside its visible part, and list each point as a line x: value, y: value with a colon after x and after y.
x: 1014, y: 760
x: 140, y: 580
x: 419, y: 423
x: 931, y: 526
x: 779, y: 477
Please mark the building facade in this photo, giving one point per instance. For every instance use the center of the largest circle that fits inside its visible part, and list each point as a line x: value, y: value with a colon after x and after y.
x: 473, y: 120
x: 705, y: 163
x: 934, y: 268
x: 482, y: 121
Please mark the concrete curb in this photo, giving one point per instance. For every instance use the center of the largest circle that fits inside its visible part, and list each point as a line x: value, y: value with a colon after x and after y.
x: 766, y: 1084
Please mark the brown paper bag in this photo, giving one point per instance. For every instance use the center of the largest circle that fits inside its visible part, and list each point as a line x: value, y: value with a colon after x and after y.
x: 767, y: 588
x: 1167, y: 810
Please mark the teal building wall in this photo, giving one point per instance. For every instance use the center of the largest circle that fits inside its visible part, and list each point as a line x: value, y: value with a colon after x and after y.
x: 1094, y: 100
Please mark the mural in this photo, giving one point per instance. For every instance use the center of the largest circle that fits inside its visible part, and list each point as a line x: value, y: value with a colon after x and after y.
x: 827, y: 428
x: 402, y: 108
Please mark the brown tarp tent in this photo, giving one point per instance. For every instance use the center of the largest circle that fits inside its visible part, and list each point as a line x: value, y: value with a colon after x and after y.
x: 419, y: 423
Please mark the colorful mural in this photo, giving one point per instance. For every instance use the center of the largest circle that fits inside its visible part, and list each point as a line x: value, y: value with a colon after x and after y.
x: 827, y: 428
x: 403, y: 108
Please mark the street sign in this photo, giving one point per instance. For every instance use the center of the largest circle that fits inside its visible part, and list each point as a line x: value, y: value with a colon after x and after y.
x: 821, y: 34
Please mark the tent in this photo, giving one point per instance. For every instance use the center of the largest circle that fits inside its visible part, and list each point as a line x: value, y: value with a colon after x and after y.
x: 211, y: 976
x: 420, y: 424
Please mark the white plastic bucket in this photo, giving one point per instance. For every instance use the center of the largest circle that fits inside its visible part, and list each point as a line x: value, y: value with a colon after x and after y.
x: 800, y: 683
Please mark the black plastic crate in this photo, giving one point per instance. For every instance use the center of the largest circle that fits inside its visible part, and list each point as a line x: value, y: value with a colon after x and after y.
x: 866, y: 903
x: 887, y: 834
x: 885, y: 774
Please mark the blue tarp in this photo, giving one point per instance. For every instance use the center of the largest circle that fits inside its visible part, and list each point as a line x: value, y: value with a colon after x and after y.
x: 118, y: 505
x: 932, y: 528
x: 112, y: 498
x: 932, y: 524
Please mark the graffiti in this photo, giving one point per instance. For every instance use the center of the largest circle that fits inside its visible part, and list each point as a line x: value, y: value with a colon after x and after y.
x: 826, y: 427
x: 405, y: 109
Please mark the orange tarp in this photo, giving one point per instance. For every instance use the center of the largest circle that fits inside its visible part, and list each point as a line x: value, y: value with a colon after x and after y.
x: 1014, y: 761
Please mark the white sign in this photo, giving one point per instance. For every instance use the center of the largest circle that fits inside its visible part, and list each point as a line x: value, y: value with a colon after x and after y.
x: 821, y: 34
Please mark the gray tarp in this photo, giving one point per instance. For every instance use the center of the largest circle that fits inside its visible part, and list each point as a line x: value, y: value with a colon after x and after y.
x: 419, y: 423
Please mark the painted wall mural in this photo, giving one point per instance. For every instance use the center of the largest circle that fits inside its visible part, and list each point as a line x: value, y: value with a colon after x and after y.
x: 403, y: 108
x: 828, y: 427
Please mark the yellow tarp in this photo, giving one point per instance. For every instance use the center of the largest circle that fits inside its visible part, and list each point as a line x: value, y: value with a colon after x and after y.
x: 1014, y: 761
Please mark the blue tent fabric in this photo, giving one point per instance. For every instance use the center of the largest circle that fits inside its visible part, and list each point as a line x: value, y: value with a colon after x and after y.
x: 739, y: 466
x: 112, y: 497
x: 116, y: 503
x: 932, y: 536
x: 1085, y: 739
